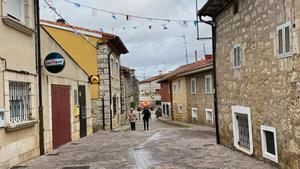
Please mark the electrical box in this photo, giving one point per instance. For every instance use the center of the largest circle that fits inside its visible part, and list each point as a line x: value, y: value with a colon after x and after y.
x: 2, y: 119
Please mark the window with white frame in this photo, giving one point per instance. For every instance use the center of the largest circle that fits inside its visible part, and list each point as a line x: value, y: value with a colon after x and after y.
x: 237, y: 56
x: 242, y: 129
x: 15, y: 9
x: 193, y: 86
x: 284, y: 39
x: 19, y: 101
x: 194, y: 113
x: 208, y: 84
x: 269, y: 143
x: 180, y: 108
x: 117, y: 69
x: 179, y: 86
x: 209, y: 115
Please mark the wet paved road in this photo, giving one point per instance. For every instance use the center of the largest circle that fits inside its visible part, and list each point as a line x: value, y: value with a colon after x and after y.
x: 162, y: 147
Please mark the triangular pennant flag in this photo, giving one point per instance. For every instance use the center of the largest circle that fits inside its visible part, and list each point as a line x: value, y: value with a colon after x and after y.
x: 127, y: 17
x: 195, y: 23
x: 135, y: 27
x: 124, y: 28
x: 183, y: 23
x: 114, y: 16
x: 150, y: 27
x: 77, y: 5
x: 94, y: 12
x: 164, y: 26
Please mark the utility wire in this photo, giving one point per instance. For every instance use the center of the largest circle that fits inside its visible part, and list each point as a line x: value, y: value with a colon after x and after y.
x: 84, y: 37
x: 128, y: 15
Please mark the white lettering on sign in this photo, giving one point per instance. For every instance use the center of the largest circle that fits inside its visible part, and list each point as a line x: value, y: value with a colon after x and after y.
x: 54, y: 62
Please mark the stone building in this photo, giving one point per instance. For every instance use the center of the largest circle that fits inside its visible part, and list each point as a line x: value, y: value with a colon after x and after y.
x: 98, y: 53
x: 129, y: 91
x: 256, y: 48
x: 66, y: 98
x: 19, y: 138
x: 166, y: 98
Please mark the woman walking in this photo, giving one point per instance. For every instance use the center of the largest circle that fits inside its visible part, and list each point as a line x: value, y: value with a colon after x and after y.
x: 132, y: 119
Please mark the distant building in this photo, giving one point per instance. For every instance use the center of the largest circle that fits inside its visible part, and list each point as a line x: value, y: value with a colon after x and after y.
x: 150, y: 90
x: 130, y: 91
x: 191, y: 92
x: 166, y: 98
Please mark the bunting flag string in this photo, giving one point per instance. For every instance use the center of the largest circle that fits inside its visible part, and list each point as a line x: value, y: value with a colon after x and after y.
x: 183, y: 23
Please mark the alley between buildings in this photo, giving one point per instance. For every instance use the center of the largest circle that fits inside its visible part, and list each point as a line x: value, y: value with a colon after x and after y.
x: 164, y: 146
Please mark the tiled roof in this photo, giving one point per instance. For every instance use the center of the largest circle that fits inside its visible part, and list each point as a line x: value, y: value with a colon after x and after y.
x: 106, y: 35
x: 154, y: 78
x: 187, y: 68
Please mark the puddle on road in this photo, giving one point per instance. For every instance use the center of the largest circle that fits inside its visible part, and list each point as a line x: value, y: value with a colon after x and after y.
x: 142, y: 158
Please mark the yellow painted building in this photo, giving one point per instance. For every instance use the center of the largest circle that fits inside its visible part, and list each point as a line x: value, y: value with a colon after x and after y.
x: 179, y: 96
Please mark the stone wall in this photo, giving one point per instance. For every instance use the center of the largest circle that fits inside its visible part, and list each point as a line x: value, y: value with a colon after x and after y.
x: 200, y: 100
x: 265, y: 83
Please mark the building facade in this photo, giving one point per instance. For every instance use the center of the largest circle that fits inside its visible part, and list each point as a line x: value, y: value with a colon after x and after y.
x: 166, y: 99
x: 130, y: 91
x: 257, y: 66
x: 18, y: 84
x: 66, y: 98
x: 98, y: 53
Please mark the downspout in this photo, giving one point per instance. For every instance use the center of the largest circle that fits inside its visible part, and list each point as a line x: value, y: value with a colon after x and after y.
x: 213, y: 26
x: 171, y: 96
x: 110, y: 90
x: 39, y: 68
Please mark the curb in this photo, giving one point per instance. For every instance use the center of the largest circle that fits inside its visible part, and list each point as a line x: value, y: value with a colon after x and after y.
x: 176, y: 123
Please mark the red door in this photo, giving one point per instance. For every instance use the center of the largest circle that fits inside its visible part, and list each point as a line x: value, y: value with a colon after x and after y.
x: 61, y: 121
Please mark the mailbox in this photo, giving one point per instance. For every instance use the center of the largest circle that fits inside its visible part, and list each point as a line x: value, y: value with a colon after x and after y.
x: 2, y: 119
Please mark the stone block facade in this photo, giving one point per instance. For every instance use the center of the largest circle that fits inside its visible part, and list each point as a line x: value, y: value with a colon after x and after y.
x: 265, y: 87
x: 201, y: 101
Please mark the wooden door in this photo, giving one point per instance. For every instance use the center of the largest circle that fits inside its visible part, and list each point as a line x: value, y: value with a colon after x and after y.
x: 61, y: 121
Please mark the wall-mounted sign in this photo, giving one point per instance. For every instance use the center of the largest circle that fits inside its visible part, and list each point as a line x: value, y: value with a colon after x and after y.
x: 54, y: 62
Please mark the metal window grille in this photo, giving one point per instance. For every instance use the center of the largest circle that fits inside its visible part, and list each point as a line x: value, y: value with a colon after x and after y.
x: 243, y: 129
x: 19, y: 101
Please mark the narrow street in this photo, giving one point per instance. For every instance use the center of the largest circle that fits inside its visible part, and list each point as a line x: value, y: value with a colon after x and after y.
x: 164, y: 146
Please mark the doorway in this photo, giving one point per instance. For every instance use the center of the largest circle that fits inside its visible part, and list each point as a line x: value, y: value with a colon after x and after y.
x: 82, y: 110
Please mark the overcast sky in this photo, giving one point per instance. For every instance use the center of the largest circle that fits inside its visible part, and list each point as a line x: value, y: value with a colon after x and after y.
x: 150, y: 50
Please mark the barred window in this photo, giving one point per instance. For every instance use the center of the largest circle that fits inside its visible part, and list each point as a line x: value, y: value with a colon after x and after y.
x: 19, y: 101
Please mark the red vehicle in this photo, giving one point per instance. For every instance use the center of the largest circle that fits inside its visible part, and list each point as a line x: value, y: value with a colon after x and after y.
x: 144, y: 104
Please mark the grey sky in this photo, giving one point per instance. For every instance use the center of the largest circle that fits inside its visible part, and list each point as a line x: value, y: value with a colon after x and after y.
x: 150, y: 50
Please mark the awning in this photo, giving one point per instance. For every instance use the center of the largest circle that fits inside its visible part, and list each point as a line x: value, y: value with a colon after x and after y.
x: 213, y: 8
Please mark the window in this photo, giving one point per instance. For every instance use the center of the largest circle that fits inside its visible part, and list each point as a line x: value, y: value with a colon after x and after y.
x: 237, y: 56
x: 117, y: 70
x: 75, y: 97
x: 2, y: 121
x: 242, y: 129
x: 208, y: 84
x: 179, y: 86
x: 193, y: 86
x: 236, y: 7
x: 174, y: 88
x: 15, y: 9
x: 194, y: 113
x: 180, y: 108
x: 284, y: 38
x: 209, y: 115
x: 19, y: 101
x: 269, y: 143
x: 114, y: 106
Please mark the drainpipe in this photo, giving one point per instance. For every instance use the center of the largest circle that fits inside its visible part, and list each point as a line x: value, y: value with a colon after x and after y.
x: 39, y: 68
x: 213, y: 26
x: 171, y: 96
x: 110, y: 90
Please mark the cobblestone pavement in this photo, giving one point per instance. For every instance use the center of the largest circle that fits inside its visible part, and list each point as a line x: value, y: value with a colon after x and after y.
x: 162, y: 147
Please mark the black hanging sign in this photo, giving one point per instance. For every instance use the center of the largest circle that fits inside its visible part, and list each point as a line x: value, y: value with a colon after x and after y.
x: 54, y: 62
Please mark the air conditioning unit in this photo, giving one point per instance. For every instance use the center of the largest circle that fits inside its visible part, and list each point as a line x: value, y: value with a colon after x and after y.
x: 2, y: 119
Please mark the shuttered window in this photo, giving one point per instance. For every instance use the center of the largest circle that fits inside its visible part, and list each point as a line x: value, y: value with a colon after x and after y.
x: 19, y: 101
x: 269, y: 143
x: 237, y: 56
x: 193, y: 86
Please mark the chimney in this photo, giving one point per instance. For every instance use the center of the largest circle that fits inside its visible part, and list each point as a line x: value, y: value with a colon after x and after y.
x: 61, y: 21
x: 196, y: 56
x: 208, y: 57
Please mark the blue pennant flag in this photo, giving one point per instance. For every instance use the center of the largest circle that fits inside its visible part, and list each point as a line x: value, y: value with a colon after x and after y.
x: 77, y: 5
x: 114, y: 16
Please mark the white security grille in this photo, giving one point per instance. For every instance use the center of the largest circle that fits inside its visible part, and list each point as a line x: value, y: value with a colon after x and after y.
x: 18, y: 100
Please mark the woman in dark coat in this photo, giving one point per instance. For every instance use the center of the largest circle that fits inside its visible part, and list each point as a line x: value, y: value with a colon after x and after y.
x: 146, y: 116
x: 158, y: 112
